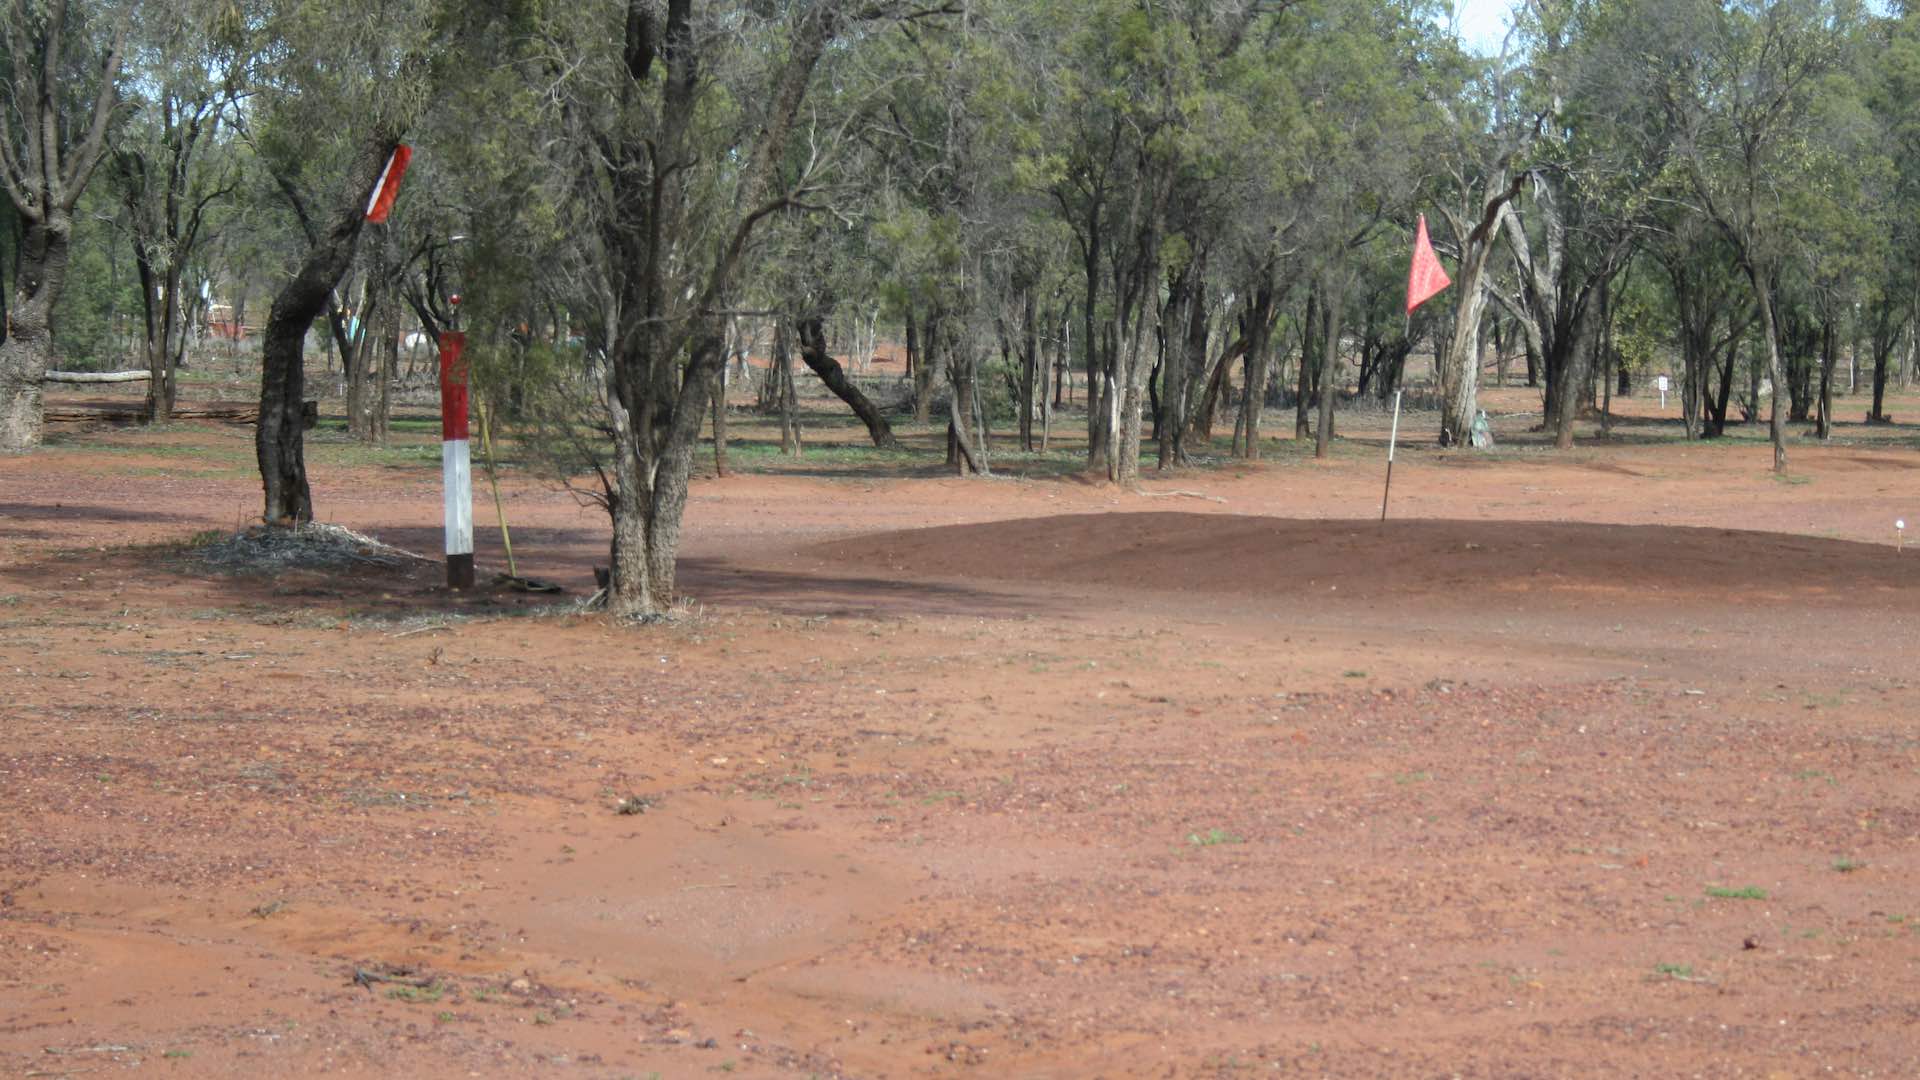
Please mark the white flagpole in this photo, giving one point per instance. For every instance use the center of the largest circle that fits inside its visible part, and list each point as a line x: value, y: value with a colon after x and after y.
x: 1393, y: 437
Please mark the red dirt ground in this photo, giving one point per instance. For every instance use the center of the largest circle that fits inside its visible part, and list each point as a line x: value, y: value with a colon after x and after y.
x: 1597, y: 763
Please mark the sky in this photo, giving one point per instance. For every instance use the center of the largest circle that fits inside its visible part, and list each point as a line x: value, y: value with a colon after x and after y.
x: 1483, y: 23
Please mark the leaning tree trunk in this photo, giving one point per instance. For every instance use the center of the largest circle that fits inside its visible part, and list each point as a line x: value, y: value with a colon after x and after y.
x: 813, y: 350
x: 278, y: 440
x: 28, y: 350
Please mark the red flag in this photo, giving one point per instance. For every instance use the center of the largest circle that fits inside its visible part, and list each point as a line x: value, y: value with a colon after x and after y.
x: 1426, y: 276
x: 384, y: 192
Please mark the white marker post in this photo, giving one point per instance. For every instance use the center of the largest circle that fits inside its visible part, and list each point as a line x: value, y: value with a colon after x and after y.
x: 1899, y: 535
x: 1663, y: 392
x: 456, y: 461
x: 1393, y: 437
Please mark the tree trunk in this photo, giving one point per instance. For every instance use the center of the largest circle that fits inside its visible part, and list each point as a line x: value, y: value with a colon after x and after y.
x: 1883, y: 346
x: 28, y: 350
x: 813, y: 350
x: 1134, y: 375
x: 785, y: 394
x: 1309, y: 331
x: 1191, y: 350
x: 1201, y: 426
x: 1329, y: 359
x: 962, y: 453
x: 1095, y: 369
x: 1030, y: 372
x: 927, y: 369
x: 1259, y: 333
x: 279, y: 444
x: 719, y: 392
x: 1829, y: 357
x: 389, y: 353
x: 1776, y: 424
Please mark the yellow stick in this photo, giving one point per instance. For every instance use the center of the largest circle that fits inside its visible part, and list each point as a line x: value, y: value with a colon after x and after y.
x: 493, y: 481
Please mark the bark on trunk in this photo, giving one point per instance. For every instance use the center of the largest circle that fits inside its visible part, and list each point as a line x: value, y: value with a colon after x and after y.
x: 1134, y: 374
x: 28, y: 350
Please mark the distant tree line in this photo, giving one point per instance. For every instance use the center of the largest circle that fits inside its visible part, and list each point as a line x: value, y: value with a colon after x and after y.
x: 1192, y: 210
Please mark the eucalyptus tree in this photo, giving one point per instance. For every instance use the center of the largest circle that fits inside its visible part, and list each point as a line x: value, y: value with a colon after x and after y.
x: 1892, y: 83
x: 1100, y: 154
x: 932, y: 156
x: 338, y: 91
x: 1602, y: 146
x: 1480, y: 175
x: 1739, y: 81
x: 59, y: 101
x: 677, y: 129
x: 1361, y: 68
x: 189, y: 65
x: 1712, y: 309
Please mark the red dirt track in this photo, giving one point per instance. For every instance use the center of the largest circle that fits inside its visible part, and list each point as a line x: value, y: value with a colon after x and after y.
x: 1594, y: 764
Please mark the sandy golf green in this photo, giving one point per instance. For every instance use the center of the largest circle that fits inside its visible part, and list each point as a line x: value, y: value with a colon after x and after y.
x: 1597, y: 763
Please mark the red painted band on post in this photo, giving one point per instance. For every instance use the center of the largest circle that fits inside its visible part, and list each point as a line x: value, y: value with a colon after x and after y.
x: 453, y: 385
x: 380, y: 204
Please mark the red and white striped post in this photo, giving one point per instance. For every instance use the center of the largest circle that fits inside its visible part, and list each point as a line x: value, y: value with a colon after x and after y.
x: 456, y: 463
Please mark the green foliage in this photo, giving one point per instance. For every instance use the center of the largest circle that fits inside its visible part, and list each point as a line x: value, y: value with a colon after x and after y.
x: 100, y: 306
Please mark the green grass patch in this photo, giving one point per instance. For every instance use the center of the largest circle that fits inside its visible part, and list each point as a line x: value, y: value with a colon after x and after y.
x: 1750, y: 892
x: 419, y: 994
x: 1214, y: 838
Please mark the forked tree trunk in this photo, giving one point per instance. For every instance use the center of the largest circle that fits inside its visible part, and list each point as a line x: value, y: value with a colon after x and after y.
x: 652, y: 495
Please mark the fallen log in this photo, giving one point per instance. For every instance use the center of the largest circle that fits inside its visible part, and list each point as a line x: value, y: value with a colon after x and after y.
x: 131, y: 413
x: 97, y: 376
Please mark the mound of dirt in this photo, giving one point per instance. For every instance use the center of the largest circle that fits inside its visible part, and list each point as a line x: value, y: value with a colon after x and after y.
x: 1221, y: 554
x: 266, y: 549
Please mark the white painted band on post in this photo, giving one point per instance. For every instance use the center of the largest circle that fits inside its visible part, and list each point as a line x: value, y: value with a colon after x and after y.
x: 1393, y: 437
x: 456, y: 466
